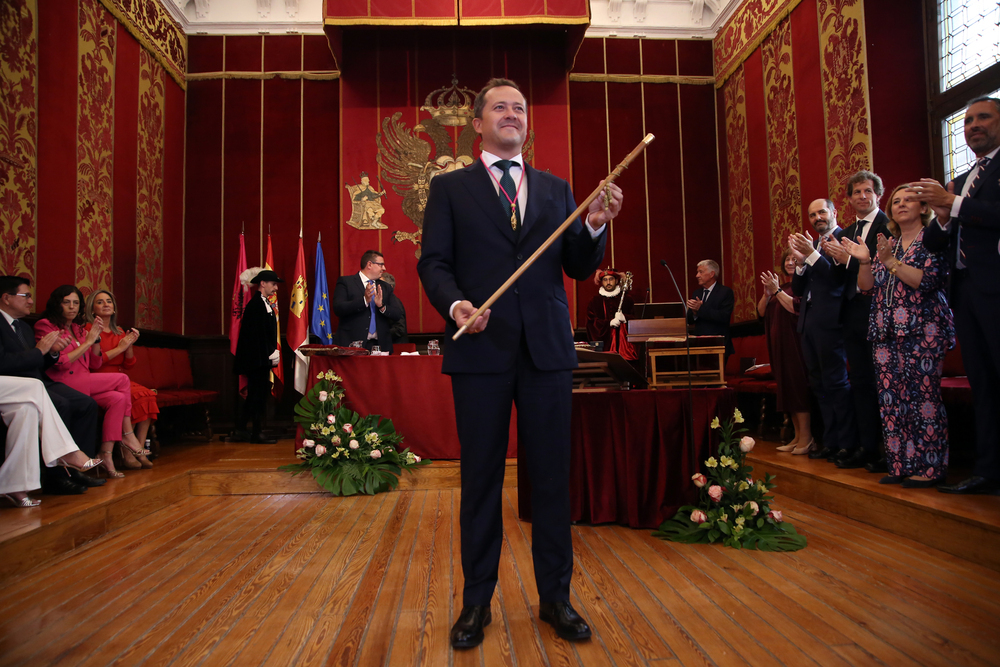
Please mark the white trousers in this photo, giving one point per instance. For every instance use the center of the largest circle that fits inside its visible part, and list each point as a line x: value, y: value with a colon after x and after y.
x: 29, y: 413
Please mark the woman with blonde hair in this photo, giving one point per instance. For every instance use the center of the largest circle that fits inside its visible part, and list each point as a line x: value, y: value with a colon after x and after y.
x: 119, y: 357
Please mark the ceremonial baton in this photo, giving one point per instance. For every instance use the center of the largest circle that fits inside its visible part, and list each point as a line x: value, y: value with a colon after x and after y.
x: 622, y: 166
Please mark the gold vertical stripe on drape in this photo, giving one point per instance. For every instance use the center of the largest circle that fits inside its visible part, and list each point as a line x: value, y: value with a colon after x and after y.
x: 149, y: 194
x: 95, y: 146
x: 844, y: 68
x: 18, y: 140
x: 740, y: 211
x: 784, y: 178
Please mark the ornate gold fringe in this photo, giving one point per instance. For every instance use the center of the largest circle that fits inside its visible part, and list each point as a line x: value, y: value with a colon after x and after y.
x: 751, y: 46
x: 260, y: 76
x: 643, y: 78
x: 175, y: 70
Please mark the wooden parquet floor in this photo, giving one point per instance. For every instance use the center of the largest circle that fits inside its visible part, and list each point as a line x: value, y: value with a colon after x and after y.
x: 313, y: 580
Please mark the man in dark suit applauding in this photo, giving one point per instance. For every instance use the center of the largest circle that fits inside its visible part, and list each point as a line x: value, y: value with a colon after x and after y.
x: 362, y: 302
x: 864, y: 190
x: 820, y: 282
x: 968, y: 228
x: 481, y: 223
x: 711, y: 306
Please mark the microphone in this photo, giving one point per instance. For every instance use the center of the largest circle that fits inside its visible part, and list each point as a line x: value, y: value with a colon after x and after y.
x: 678, y: 289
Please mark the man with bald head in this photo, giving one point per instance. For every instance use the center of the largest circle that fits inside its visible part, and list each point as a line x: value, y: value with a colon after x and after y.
x: 820, y: 281
x: 968, y: 229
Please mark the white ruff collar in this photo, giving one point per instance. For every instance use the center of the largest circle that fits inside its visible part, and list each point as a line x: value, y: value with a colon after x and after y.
x: 615, y: 292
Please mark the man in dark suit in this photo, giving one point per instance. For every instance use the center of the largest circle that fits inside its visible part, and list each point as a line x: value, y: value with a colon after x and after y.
x: 21, y: 356
x: 864, y: 189
x: 968, y: 228
x: 398, y: 328
x: 711, y: 306
x: 256, y: 354
x: 364, y: 307
x: 481, y: 223
x: 820, y: 282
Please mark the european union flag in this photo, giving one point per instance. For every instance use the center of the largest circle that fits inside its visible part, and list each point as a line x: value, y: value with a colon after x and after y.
x: 321, y: 313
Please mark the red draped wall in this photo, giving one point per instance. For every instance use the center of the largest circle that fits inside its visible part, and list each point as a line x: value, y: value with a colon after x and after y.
x: 95, y: 118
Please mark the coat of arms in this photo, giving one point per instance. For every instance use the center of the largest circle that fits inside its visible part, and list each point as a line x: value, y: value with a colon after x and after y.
x: 406, y: 158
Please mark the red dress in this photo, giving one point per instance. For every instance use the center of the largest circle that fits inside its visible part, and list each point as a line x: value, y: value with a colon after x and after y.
x: 784, y: 347
x: 143, y: 400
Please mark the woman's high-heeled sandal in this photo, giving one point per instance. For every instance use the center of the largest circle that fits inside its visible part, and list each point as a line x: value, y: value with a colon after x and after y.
x: 89, y: 465
x: 105, y: 469
x: 135, y: 452
x: 23, y: 502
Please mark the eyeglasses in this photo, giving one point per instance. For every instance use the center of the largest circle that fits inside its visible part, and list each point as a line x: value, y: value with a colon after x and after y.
x: 379, y: 263
x: 26, y: 295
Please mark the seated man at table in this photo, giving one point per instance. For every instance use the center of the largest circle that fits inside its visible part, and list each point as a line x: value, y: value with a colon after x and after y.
x: 364, y: 306
x: 711, y: 306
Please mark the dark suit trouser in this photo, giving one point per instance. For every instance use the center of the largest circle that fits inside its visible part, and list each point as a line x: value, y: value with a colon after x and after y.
x: 864, y: 386
x: 977, y: 323
x: 80, y: 414
x: 258, y: 389
x: 482, y: 410
x: 823, y: 353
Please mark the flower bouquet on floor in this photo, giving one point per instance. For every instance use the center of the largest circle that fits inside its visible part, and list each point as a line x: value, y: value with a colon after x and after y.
x: 347, y: 453
x: 735, y: 509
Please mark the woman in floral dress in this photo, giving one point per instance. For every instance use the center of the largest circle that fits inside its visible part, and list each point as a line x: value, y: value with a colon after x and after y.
x: 911, y: 328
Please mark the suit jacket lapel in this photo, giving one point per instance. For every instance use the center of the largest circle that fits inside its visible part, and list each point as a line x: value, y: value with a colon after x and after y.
x: 480, y: 186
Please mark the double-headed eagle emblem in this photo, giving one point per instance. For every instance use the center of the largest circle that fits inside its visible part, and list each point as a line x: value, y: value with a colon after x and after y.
x: 406, y: 159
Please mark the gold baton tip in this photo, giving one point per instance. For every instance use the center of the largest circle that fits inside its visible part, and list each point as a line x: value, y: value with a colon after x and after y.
x: 649, y: 137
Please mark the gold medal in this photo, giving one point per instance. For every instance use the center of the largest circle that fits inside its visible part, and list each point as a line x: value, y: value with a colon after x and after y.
x: 513, y: 220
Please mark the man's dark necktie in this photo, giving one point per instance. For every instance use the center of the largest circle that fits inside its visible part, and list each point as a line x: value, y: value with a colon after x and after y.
x: 960, y: 257
x: 371, y: 305
x: 859, y: 237
x: 507, y: 183
x: 21, y: 329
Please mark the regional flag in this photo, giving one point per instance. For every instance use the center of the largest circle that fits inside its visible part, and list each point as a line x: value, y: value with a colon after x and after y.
x: 298, y: 327
x: 278, y: 372
x: 321, y: 325
x: 240, y: 296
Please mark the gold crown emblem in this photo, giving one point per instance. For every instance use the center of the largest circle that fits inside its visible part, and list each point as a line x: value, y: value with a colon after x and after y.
x: 454, y: 104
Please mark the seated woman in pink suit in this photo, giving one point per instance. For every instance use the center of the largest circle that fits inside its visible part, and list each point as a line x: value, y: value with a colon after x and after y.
x: 76, y: 361
x: 116, y: 344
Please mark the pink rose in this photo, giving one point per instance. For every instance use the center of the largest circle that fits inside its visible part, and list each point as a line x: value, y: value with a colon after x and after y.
x: 416, y: 459
x: 746, y: 444
x: 335, y: 440
x: 698, y: 516
x: 330, y: 419
x: 348, y: 428
x: 320, y: 450
x: 715, y: 492
x: 754, y: 508
x: 775, y: 515
x: 323, y: 395
x: 353, y: 444
x: 376, y: 454
x: 308, y: 443
x: 699, y: 480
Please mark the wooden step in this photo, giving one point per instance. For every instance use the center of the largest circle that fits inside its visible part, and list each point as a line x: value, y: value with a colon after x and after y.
x: 964, y: 526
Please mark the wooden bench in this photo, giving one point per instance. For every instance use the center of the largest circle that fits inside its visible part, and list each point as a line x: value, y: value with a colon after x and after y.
x: 168, y: 371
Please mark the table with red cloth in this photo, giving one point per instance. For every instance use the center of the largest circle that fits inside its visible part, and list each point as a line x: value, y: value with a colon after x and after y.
x: 411, y: 391
x: 631, y: 462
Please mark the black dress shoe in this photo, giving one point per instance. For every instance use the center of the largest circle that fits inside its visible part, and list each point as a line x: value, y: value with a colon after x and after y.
x: 972, y: 485
x: 892, y: 479
x: 262, y: 440
x: 840, y: 455
x: 84, y: 479
x: 239, y: 436
x: 568, y: 624
x: 879, y: 466
x: 920, y: 483
x: 856, y: 459
x: 61, y: 485
x: 468, y: 629
x: 820, y: 453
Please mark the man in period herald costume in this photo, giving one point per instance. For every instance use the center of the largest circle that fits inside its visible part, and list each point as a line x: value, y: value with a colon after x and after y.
x: 608, y: 312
